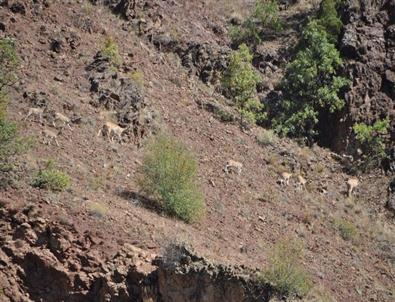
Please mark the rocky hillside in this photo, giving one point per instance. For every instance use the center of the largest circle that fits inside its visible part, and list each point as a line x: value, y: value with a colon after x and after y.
x: 101, y: 240
x: 368, y: 46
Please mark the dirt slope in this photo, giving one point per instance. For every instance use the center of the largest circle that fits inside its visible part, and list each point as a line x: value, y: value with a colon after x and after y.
x: 247, y: 213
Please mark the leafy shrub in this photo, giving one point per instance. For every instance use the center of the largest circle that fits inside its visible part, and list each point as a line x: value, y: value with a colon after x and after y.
x: 51, y: 178
x: 111, y: 51
x: 311, y: 85
x: 372, y: 140
x: 10, y: 142
x: 347, y: 230
x: 240, y: 81
x: 329, y: 19
x: 168, y: 174
x: 264, y: 16
x: 9, y: 62
x: 284, y: 271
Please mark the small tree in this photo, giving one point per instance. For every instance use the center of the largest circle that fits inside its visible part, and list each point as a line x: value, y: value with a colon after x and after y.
x: 10, y: 142
x: 372, y: 140
x: 240, y: 80
x: 311, y: 85
x: 168, y: 174
x: 8, y: 64
x: 329, y: 19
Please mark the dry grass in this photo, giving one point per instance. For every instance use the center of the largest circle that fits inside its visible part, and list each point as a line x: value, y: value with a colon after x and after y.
x: 97, y: 209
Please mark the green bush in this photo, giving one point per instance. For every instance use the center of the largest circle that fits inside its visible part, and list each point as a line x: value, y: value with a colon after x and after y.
x: 168, y: 174
x: 9, y: 62
x: 51, y: 178
x: 284, y: 272
x: 372, y: 140
x: 311, y: 85
x: 240, y: 80
x: 111, y: 51
x: 10, y: 142
x: 264, y: 16
x: 329, y: 19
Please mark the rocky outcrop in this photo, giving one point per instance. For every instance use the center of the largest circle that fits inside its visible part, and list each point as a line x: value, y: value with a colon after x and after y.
x: 204, y: 60
x: 368, y: 48
x: 122, y: 95
x: 42, y: 260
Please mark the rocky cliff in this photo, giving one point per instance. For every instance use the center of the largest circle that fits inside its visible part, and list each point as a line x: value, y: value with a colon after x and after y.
x: 368, y: 48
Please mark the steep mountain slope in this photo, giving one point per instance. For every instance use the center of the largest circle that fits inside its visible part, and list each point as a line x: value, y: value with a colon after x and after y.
x: 176, y: 46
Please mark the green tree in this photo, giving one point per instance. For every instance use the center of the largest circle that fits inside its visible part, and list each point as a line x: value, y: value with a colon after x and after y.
x: 311, y: 85
x: 8, y: 64
x: 168, y: 174
x: 10, y: 143
x: 240, y: 81
x: 372, y: 140
x: 329, y: 19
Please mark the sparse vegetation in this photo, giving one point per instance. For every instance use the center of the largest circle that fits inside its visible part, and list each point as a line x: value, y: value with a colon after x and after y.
x: 284, y: 271
x: 372, y: 141
x: 311, y: 85
x: 266, y: 137
x: 110, y: 50
x: 51, y: 178
x: 240, y: 82
x: 168, y: 174
x: 97, y: 209
x: 138, y: 78
x: 264, y: 16
x: 347, y: 230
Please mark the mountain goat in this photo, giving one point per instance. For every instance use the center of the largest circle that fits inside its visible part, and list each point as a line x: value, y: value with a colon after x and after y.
x: 34, y: 113
x: 232, y: 165
x: 112, y: 130
x: 352, y: 183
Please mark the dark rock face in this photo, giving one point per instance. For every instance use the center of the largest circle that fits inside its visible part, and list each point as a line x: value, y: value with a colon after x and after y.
x: 123, y: 96
x: 368, y: 46
x: 204, y: 60
x: 48, y: 261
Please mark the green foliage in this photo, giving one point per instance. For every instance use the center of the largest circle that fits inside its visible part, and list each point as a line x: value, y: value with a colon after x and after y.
x: 329, y: 19
x: 264, y: 16
x: 8, y: 64
x: 284, y: 271
x: 347, y: 230
x: 168, y: 174
x: 240, y: 80
x: 111, y: 51
x: 311, y: 85
x: 372, y: 140
x: 51, y: 178
x: 10, y: 142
